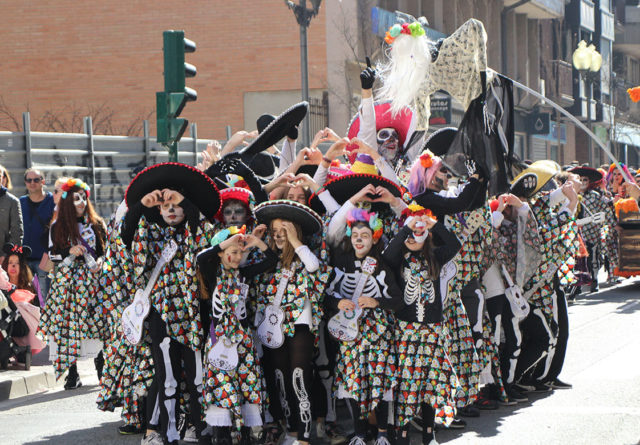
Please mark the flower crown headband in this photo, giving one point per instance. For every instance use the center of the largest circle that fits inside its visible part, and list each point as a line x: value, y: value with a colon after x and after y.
x: 226, y: 233
x: 371, y: 218
x: 417, y: 210
x: 426, y: 159
x: 74, y: 182
x: 414, y: 29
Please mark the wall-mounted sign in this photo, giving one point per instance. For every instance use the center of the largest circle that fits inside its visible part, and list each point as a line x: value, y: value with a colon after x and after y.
x: 440, y: 111
x: 539, y: 123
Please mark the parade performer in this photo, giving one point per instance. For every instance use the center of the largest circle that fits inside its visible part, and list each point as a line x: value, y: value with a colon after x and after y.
x: 426, y: 381
x: 72, y: 314
x: 366, y: 362
x: 168, y: 204
x: 288, y: 307
x: 232, y: 392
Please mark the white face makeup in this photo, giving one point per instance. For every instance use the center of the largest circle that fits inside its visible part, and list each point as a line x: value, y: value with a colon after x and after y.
x: 387, y: 143
x: 361, y: 240
x: 172, y: 214
x: 440, y: 180
x: 80, y: 202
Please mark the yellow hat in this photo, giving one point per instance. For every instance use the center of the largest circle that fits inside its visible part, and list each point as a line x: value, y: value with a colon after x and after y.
x: 531, y: 180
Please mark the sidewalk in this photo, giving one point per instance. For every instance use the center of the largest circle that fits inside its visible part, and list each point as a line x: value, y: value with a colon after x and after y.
x: 16, y: 382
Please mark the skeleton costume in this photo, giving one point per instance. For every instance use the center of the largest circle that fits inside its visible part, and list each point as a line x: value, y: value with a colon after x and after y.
x: 288, y: 369
x: 366, y: 367
x: 231, y: 395
x: 73, y: 313
x: 424, y: 373
x: 174, y: 319
x: 128, y: 369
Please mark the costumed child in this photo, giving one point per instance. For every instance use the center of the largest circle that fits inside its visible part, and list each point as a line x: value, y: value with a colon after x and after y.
x: 288, y: 312
x: 232, y: 388
x: 426, y: 381
x: 362, y: 284
x: 166, y: 225
x: 72, y: 313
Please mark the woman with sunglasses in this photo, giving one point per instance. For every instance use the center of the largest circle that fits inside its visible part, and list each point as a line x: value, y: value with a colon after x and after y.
x: 72, y: 311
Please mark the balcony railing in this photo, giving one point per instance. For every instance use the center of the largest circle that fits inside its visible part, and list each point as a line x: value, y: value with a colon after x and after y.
x: 559, y: 87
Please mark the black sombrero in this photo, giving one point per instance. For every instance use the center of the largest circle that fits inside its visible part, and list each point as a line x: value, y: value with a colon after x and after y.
x: 344, y: 187
x: 276, y: 130
x: 195, y: 185
x: 591, y: 173
x: 440, y: 140
x: 308, y: 220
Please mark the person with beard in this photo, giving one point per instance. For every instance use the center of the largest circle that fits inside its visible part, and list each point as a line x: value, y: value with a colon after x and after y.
x: 169, y: 205
x: 72, y: 314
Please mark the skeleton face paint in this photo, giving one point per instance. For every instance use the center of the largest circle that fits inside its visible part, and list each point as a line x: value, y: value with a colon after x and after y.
x: 234, y: 214
x: 172, y: 214
x: 387, y: 143
x: 80, y: 202
x: 441, y: 179
x: 361, y: 240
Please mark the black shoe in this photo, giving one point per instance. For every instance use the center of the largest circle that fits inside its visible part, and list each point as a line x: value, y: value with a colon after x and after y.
x: 559, y: 384
x: 541, y: 388
x: 469, y: 411
x: 516, y: 395
x: 485, y: 403
x: 270, y: 434
x: 129, y: 430
x: 458, y: 424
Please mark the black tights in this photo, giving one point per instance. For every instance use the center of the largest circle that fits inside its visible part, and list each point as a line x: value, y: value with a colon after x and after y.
x: 289, y: 378
x: 428, y: 420
x: 361, y: 425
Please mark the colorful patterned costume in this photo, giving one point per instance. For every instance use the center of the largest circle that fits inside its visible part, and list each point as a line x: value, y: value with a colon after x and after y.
x: 73, y: 311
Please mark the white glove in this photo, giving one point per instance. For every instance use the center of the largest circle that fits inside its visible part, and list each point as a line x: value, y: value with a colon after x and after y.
x: 584, y: 221
x: 598, y: 218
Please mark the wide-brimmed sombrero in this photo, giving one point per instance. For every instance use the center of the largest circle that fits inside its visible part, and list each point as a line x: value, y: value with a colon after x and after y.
x: 276, y: 130
x: 404, y: 123
x: 344, y: 187
x: 440, y: 140
x: 308, y: 220
x: 195, y: 185
x: 591, y: 173
x: 532, y: 179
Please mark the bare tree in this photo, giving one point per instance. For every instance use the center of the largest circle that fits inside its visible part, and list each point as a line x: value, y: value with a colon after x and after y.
x: 69, y: 119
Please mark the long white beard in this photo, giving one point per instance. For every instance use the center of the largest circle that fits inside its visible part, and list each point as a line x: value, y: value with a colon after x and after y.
x: 407, y: 67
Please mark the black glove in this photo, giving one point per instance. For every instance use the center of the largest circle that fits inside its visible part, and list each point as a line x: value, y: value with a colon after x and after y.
x: 367, y: 76
x: 292, y: 133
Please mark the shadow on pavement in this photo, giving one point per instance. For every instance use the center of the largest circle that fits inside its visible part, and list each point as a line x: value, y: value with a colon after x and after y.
x: 48, y: 396
x: 106, y: 433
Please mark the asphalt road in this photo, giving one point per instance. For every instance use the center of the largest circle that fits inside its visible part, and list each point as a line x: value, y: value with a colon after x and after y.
x: 603, y: 364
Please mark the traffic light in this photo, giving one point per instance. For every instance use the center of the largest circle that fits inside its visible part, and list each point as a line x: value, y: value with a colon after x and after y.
x: 171, y: 101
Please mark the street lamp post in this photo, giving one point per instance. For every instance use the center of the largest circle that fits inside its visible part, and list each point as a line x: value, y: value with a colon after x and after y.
x: 303, y: 17
x: 587, y: 61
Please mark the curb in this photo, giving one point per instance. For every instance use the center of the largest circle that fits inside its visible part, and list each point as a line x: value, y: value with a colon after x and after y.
x: 24, y: 385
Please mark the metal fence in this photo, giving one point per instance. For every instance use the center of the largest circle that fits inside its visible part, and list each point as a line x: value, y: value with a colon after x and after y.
x: 106, y: 163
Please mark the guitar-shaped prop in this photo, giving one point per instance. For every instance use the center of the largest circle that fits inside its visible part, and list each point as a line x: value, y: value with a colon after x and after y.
x: 270, y: 331
x: 519, y: 304
x: 224, y: 351
x: 345, y: 325
x: 134, y: 315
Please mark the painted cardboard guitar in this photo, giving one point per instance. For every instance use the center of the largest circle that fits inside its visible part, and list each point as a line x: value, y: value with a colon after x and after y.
x: 270, y: 331
x: 345, y: 325
x: 519, y: 304
x: 134, y: 315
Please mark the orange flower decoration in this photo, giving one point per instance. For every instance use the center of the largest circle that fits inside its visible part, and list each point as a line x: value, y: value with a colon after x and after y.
x: 426, y: 160
x: 634, y: 94
x: 629, y: 205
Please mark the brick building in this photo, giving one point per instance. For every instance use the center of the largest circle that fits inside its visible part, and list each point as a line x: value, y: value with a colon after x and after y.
x: 106, y: 57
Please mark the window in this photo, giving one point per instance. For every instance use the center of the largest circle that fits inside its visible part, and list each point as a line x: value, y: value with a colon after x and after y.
x: 553, y: 153
x: 518, y: 146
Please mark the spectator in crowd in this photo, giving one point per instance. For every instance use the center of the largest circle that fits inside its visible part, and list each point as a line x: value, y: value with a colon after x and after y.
x: 5, y: 179
x: 10, y: 214
x: 37, y: 209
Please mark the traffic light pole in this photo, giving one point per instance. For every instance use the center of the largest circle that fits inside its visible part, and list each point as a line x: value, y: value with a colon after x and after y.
x: 173, y: 151
x: 306, y: 135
